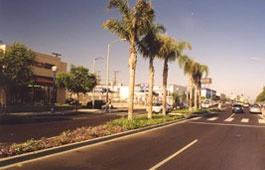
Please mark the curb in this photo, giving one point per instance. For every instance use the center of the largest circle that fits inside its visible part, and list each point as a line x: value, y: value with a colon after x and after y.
x: 38, y: 154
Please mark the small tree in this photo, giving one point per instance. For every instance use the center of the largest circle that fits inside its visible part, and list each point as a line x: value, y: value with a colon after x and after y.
x: 16, y: 71
x: 261, y: 96
x: 79, y: 80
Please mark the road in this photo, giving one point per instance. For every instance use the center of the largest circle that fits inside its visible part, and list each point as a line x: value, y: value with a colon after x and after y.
x: 18, y: 129
x: 217, y: 141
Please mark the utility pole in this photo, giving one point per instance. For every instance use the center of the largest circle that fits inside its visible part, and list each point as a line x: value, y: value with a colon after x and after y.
x: 115, y: 77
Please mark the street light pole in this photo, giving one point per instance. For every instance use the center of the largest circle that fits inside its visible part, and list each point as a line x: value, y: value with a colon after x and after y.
x: 94, y: 61
x: 54, y: 70
x: 108, y: 58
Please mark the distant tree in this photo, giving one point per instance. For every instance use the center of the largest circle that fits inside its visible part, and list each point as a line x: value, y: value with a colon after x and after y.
x: 261, y: 96
x: 176, y: 97
x: 188, y: 66
x: 79, y: 80
x: 198, y: 72
x: 133, y: 24
x: 16, y: 71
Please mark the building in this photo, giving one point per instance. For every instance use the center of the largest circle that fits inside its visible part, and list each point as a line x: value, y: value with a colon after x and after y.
x: 41, y: 91
x: 207, y: 93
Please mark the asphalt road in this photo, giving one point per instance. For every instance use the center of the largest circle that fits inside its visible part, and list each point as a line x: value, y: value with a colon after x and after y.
x: 20, y: 128
x: 214, y: 142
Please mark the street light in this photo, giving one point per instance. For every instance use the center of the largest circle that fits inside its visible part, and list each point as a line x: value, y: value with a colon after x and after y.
x: 108, y: 58
x: 54, y: 71
x: 94, y: 61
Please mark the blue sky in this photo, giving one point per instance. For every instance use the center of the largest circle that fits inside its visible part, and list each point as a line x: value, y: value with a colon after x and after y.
x: 225, y: 35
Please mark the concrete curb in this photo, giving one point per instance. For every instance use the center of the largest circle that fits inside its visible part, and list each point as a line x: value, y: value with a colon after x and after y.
x: 38, y: 154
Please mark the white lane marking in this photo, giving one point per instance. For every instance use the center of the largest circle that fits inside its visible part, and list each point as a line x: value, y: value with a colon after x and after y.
x: 230, y: 119
x: 232, y: 115
x: 213, y: 119
x: 261, y: 121
x: 225, y: 124
x: 174, y: 155
x: 196, y: 118
x: 261, y: 117
x: 245, y: 120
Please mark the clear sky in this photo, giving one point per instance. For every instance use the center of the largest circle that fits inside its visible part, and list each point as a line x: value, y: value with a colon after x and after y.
x: 225, y: 35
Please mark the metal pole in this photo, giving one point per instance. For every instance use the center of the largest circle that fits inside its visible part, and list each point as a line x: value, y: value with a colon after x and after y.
x: 93, y: 91
x: 108, y: 58
x: 54, y: 70
x: 107, y: 78
x: 53, y: 94
x: 94, y: 72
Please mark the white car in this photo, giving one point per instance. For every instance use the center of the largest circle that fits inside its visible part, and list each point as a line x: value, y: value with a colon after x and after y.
x: 205, y: 104
x: 255, y: 108
x: 157, y: 108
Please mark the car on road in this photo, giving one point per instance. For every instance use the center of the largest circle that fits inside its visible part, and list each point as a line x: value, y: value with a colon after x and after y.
x: 157, y: 108
x: 206, y: 104
x: 237, y: 108
x: 255, y: 108
x: 98, y: 104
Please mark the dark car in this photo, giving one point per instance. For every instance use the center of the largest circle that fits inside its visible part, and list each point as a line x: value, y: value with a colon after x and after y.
x: 237, y: 108
x: 72, y: 101
x: 98, y: 104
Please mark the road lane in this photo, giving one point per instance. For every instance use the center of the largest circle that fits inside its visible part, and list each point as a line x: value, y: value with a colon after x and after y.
x: 173, y: 155
x: 139, y: 151
x: 218, y: 147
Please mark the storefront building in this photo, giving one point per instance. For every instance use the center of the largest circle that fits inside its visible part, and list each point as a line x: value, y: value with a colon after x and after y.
x: 41, y: 91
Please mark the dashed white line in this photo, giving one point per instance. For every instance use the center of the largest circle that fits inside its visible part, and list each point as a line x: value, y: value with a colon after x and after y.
x: 261, y: 121
x: 230, y: 119
x: 173, y: 155
x: 213, y: 119
x: 245, y: 120
x: 196, y: 118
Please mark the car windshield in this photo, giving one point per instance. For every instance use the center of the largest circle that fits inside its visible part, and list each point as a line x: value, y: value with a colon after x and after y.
x: 255, y: 105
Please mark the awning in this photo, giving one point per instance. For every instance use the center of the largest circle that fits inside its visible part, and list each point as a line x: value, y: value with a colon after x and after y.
x: 43, y: 80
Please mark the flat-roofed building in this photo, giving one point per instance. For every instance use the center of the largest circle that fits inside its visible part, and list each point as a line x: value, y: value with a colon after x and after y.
x: 41, y: 90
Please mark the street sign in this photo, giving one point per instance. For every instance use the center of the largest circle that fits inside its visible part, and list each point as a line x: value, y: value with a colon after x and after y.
x: 206, y: 81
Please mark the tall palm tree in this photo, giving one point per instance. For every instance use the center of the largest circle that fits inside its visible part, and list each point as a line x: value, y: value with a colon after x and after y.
x: 198, y: 73
x: 169, y: 52
x: 149, y: 46
x: 134, y: 24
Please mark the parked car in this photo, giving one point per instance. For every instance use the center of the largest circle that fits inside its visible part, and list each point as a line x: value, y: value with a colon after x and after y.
x: 97, y: 104
x: 157, y: 108
x: 177, y: 106
x: 72, y: 101
x: 255, y: 108
x: 237, y: 108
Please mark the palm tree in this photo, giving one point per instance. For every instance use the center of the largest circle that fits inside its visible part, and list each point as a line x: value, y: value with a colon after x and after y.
x: 188, y: 68
x: 134, y: 24
x: 149, y: 46
x: 198, y: 72
x: 169, y: 51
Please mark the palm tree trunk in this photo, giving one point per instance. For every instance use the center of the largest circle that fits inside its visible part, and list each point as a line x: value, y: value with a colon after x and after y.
x: 196, y: 97
x: 132, y: 68
x: 200, y: 96
x: 150, y: 93
x: 190, y: 96
x: 165, y: 74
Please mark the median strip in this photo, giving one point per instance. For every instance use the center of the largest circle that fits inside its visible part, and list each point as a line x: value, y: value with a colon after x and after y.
x: 174, y: 155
